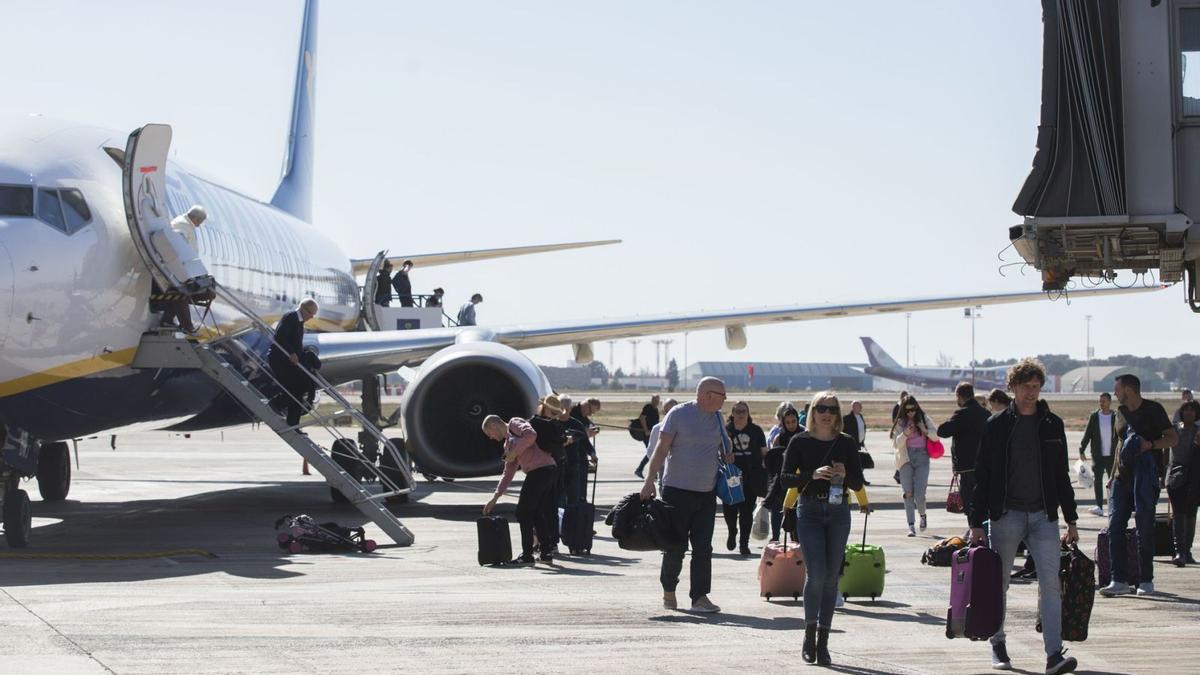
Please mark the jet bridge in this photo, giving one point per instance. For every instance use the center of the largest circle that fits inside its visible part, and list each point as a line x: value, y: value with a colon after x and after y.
x: 1115, y: 183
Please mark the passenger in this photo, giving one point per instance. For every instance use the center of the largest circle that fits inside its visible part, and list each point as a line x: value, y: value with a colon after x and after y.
x: 691, y: 438
x: 1100, y: 432
x: 899, y: 404
x: 383, y: 285
x: 435, y: 300
x: 1145, y: 430
x: 910, y: 434
x: 577, y: 452
x: 648, y: 418
x: 536, y: 509
x: 749, y: 447
x: 1185, y: 396
x: 1021, y: 481
x: 583, y: 412
x: 804, y: 416
x: 854, y: 425
x: 998, y: 401
x: 821, y: 463
x: 1183, y: 483
x: 778, y: 426
x: 773, y: 462
x: 284, y: 359
x: 466, y: 313
x: 181, y: 262
x: 403, y: 284
x: 656, y: 431
x: 312, y: 363
x: 965, y: 428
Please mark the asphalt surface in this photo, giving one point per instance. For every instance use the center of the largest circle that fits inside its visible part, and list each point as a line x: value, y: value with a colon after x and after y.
x: 95, y: 604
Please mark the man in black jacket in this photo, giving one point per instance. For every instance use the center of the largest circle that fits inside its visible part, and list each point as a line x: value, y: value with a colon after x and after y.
x: 854, y: 425
x: 965, y: 429
x: 403, y: 285
x: 1021, y: 481
x: 284, y: 357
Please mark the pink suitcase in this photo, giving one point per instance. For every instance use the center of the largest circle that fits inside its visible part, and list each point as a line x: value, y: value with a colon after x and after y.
x: 976, y: 594
x: 781, y: 571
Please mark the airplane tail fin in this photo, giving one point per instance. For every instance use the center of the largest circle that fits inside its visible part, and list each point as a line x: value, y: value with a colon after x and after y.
x: 294, y: 193
x: 877, y: 357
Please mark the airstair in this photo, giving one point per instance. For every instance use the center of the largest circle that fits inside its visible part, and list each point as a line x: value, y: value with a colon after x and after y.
x: 241, y: 370
x: 236, y: 358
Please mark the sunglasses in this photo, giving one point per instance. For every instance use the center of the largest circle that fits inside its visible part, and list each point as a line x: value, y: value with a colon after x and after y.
x: 741, y: 411
x: 910, y: 410
x: 831, y: 409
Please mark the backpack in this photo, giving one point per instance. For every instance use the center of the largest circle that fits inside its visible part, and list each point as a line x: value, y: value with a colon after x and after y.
x: 635, y: 430
x: 940, y: 554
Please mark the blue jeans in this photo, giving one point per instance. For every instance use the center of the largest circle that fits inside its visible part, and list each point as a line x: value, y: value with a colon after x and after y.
x: 1124, y: 497
x: 914, y: 480
x: 822, y: 529
x: 1042, y: 539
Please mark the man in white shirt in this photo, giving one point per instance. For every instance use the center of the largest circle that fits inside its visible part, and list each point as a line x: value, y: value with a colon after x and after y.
x: 180, y: 256
x: 1101, y: 428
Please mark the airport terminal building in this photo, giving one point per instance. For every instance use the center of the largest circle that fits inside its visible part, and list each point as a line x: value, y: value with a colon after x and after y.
x: 758, y: 375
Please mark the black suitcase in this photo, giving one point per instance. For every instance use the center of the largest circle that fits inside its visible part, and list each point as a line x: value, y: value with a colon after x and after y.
x: 495, y: 544
x: 579, y: 524
x: 1164, y: 541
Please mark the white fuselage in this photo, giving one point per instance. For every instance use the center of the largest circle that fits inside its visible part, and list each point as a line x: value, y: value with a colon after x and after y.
x: 74, y: 306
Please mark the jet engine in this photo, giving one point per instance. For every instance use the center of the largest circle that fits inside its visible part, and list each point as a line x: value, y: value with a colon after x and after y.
x: 454, y: 390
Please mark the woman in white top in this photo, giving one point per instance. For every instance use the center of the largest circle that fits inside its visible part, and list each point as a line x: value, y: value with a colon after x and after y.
x: 910, y: 432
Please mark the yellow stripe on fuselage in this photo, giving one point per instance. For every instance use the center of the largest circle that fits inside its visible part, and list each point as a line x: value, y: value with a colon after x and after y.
x: 124, y: 357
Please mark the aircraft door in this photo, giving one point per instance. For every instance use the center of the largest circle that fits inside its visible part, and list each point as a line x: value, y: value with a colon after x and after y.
x: 370, y: 317
x: 6, y: 292
x: 167, y: 254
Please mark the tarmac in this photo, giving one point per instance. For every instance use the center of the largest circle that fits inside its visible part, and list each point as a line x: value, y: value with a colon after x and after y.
x: 93, y: 601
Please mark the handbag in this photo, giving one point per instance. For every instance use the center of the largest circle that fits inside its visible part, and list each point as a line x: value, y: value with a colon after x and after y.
x: 935, y: 448
x: 865, y: 460
x: 729, y: 476
x: 954, y: 500
x: 636, y: 431
x: 1177, y: 479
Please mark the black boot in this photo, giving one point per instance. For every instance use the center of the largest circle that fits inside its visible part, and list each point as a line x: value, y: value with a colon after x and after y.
x: 809, y: 651
x: 823, y: 647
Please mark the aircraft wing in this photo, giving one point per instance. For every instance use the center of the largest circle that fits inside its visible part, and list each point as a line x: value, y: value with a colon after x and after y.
x: 347, y: 356
x: 430, y: 259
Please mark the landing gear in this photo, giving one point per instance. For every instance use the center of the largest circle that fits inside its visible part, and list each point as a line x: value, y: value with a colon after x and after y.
x: 54, y: 471
x: 389, y: 468
x: 18, y: 516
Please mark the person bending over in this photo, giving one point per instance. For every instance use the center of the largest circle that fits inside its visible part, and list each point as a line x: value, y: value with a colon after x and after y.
x: 537, y: 511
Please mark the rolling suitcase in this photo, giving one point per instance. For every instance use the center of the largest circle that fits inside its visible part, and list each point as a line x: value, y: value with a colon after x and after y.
x: 976, y: 594
x: 781, y: 570
x: 1164, y: 540
x: 863, y: 569
x: 579, y: 524
x: 495, y: 544
x: 1104, y: 562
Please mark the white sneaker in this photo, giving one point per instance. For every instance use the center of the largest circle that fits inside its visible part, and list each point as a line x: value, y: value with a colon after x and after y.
x: 1096, y: 511
x: 911, y: 532
x: 841, y: 602
x: 1116, y: 588
x: 1146, y: 588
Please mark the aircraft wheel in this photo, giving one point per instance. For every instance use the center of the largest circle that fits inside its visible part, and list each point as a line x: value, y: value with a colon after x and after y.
x: 18, y: 518
x: 54, y: 471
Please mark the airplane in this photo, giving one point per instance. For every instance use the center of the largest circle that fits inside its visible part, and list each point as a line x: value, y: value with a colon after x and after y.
x: 75, y: 305
x: 883, y: 365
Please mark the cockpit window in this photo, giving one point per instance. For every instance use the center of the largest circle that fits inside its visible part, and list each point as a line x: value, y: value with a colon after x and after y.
x: 16, y: 200
x: 65, y: 210
x: 49, y: 210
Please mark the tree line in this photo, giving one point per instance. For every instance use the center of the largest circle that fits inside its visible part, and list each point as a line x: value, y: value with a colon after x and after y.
x: 1183, y: 370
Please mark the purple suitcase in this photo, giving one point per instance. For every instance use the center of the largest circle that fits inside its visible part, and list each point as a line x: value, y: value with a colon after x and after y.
x: 976, y: 594
x: 1104, y: 561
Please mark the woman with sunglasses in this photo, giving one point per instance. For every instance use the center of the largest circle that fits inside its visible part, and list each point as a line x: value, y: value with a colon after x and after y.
x: 749, y: 446
x: 773, y: 461
x: 821, y: 463
x: 910, y: 433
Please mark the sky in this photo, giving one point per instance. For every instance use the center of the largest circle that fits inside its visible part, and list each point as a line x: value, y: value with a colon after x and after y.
x: 747, y: 154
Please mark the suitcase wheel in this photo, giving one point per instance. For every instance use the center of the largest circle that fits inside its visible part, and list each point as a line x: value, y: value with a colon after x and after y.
x: 768, y: 597
x: 796, y: 596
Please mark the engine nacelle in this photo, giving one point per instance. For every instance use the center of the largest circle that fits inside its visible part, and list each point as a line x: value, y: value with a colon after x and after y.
x: 454, y: 390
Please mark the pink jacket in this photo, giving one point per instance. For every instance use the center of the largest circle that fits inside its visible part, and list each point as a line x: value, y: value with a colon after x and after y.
x: 521, y: 444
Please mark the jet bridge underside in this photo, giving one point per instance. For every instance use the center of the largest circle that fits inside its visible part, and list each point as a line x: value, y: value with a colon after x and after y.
x: 1113, y: 186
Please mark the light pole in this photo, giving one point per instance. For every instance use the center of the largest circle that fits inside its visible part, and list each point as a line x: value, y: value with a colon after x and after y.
x: 635, y: 344
x: 1087, y: 356
x: 685, y: 360
x: 907, y: 344
x: 972, y: 313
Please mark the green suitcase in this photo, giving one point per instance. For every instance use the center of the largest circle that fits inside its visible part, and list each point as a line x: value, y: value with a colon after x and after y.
x: 863, y: 570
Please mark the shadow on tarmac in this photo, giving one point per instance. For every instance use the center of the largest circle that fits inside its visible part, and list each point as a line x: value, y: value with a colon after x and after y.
x: 740, y: 620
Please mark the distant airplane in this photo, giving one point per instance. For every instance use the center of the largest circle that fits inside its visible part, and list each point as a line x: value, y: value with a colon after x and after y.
x: 883, y: 365
x: 75, y: 290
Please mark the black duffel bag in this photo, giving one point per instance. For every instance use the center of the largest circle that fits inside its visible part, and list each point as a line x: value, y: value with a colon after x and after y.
x: 644, y: 525
x: 636, y: 431
x: 865, y: 460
